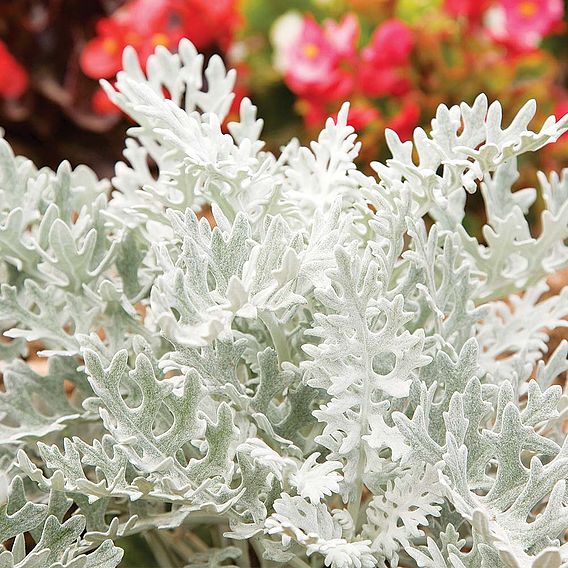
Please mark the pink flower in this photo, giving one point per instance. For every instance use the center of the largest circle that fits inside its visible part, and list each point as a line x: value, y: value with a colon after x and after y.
x: 391, y: 44
x: 522, y: 24
x: 384, y: 62
x: 343, y: 35
x: 13, y: 77
x: 322, y: 65
x: 316, y: 61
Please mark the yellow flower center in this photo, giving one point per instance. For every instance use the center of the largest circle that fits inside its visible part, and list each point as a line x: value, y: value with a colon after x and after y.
x: 527, y: 9
x: 160, y: 39
x: 310, y: 50
x: 110, y: 45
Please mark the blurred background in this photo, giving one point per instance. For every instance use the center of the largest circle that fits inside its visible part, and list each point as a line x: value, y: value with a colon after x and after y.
x: 395, y: 60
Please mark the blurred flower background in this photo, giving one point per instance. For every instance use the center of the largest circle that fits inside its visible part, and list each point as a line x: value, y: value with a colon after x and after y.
x: 395, y: 60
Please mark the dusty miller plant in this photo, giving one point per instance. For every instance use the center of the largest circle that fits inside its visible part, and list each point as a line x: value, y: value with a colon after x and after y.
x: 333, y: 373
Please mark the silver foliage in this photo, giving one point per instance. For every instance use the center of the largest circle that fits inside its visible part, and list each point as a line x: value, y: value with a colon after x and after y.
x: 336, y: 373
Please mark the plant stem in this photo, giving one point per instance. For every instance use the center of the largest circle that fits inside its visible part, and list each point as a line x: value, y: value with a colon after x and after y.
x: 259, y: 549
x: 355, y: 502
x: 161, y: 552
x: 278, y: 335
x: 298, y: 563
x: 244, y: 560
x: 196, y: 542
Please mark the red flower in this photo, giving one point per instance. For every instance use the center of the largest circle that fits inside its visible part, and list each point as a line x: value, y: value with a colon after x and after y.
x: 241, y: 89
x: 314, y: 112
x: 13, y: 77
x: 361, y: 116
x: 207, y: 22
x: 103, y: 105
x: 376, y: 81
x: 145, y: 24
x: 384, y: 62
x: 561, y: 110
x: 405, y: 121
x: 471, y: 10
